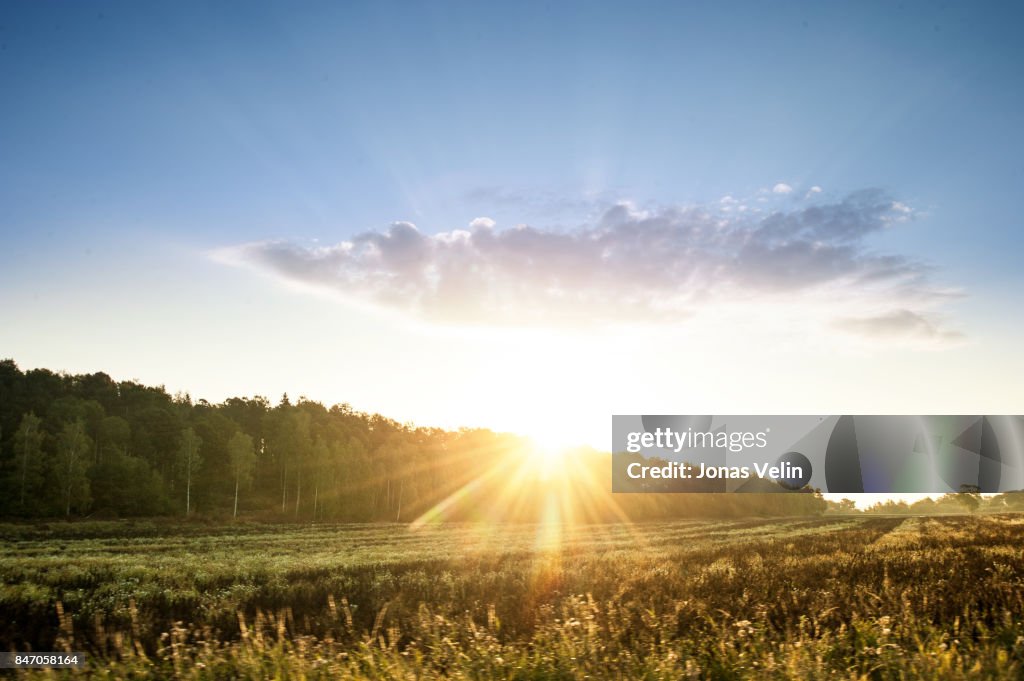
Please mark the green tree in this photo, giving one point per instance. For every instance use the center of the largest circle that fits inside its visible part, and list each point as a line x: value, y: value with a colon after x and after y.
x: 113, y: 437
x: 28, y: 447
x: 71, y: 465
x: 1012, y: 501
x: 969, y: 497
x: 243, y: 459
x: 156, y: 431
x: 189, y: 462
x: 843, y: 506
x: 347, y: 470
x: 302, y: 447
x: 318, y: 459
x: 127, y: 485
x: 289, y: 443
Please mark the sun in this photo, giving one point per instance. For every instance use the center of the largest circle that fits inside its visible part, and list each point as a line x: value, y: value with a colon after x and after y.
x: 548, y: 451
x: 552, y: 437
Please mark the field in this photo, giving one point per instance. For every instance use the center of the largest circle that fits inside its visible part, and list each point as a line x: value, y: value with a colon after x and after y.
x: 844, y: 597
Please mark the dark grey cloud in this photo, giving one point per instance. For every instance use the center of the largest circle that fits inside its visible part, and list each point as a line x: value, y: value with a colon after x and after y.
x: 644, y: 265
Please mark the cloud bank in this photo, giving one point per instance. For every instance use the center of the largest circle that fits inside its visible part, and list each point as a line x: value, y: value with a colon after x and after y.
x: 648, y: 266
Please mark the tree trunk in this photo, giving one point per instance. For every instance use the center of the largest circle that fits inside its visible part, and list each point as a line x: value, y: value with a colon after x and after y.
x: 236, y: 498
x: 24, y: 474
x: 298, y: 491
x: 67, y: 494
x: 284, y: 486
x: 401, y: 486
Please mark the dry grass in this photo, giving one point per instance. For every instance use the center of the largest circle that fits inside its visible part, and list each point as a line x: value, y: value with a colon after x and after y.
x: 848, y: 598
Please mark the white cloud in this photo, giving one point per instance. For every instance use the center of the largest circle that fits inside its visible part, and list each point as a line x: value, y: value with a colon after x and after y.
x: 482, y: 223
x: 627, y: 265
x: 782, y: 188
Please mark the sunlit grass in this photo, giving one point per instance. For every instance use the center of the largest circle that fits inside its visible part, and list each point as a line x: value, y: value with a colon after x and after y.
x: 874, y: 598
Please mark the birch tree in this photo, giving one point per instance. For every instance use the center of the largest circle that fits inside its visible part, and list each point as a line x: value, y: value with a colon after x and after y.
x: 28, y: 445
x: 189, y: 462
x: 243, y: 459
x: 70, y: 465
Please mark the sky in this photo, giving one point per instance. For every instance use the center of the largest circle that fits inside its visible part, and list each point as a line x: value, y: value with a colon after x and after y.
x: 521, y: 216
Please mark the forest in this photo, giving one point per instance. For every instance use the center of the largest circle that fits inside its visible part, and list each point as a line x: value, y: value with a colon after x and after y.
x: 85, y: 445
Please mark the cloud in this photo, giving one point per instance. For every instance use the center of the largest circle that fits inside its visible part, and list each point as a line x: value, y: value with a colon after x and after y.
x: 482, y: 223
x: 628, y: 264
x: 897, y: 324
x: 782, y: 188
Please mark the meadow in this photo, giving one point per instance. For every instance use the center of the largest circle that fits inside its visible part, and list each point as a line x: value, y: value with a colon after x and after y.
x: 830, y: 597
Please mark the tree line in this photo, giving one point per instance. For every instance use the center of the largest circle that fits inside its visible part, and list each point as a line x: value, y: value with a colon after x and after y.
x: 965, y: 501
x: 86, y: 445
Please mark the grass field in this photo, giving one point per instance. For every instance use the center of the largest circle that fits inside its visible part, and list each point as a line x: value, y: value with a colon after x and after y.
x: 849, y: 598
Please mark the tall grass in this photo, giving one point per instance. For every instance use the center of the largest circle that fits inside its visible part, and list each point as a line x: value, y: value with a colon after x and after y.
x: 842, y: 598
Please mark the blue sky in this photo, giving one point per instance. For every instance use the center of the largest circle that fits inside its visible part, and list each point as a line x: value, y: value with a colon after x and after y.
x: 149, y: 153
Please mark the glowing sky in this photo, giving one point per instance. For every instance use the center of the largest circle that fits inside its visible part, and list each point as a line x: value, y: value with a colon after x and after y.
x: 522, y: 216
